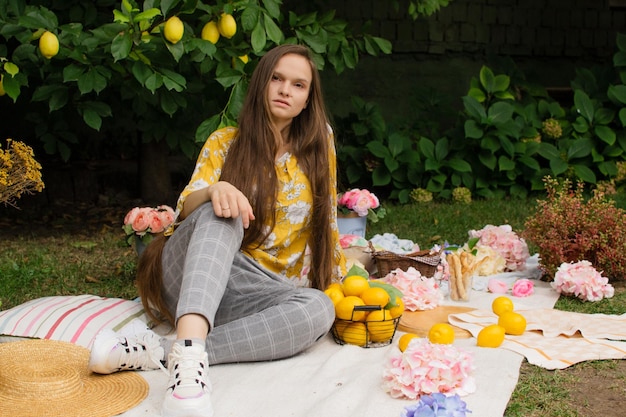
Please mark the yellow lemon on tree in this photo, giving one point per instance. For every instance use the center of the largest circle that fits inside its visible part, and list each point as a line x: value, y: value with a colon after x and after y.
x: 242, y: 58
x: 355, y: 334
x: 174, y: 29
x: 344, y: 309
x: 375, y: 296
x: 405, y: 339
x: 210, y: 32
x: 227, y: 25
x: 441, y: 333
x: 335, y: 294
x: 48, y: 44
x: 354, y: 285
x: 2, y: 92
x: 380, y: 325
x: 513, y: 323
x: 491, y: 336
x: 398, y: 309
x: 502, y: 304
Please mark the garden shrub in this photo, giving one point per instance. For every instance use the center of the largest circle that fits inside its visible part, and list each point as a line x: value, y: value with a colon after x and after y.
x: 567, y: 227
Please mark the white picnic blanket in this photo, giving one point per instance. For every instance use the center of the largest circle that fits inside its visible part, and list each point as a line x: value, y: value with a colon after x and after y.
x: 331, y: 380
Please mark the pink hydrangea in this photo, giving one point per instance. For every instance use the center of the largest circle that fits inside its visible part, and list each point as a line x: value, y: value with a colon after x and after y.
x: 419, y: 292
x: 506, y: 242
x: 425, y: 368
x: 359, y: 201
x: 581, y: 279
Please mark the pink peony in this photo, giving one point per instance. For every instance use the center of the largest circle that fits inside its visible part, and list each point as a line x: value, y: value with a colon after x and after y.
x: 419, y: 292
x: 581, y: 279
x: 523, y: 288
x: 145, y: 221
x: 426, y: 368
x: 506, y: 242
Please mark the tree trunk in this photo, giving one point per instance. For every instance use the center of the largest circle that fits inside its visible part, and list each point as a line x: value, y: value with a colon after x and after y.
x: 154, y: 173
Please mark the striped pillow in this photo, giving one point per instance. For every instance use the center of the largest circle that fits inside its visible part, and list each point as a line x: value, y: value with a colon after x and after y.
x: 76, y: 319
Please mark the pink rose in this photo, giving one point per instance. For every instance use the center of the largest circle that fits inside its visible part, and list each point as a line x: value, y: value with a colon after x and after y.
x: 497, y: 287
x: 142, y: 220
x: 130, y: 216
x: 523, y: 288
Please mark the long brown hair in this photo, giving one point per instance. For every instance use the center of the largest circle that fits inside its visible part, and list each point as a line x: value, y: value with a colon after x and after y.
x: 255, y: 149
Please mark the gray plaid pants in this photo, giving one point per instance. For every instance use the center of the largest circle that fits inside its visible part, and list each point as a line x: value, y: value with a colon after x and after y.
x: 254, y: 314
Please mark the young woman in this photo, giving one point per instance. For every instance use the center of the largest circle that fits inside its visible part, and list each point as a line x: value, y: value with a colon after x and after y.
x: 260, y: 195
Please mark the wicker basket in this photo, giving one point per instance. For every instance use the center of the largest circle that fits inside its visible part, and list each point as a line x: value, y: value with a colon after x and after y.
x: 384, y: 330
x: 424, y: 261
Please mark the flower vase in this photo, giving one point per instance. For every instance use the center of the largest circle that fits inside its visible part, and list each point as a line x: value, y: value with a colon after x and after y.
x: 351, y: 224
x: 140, y: 245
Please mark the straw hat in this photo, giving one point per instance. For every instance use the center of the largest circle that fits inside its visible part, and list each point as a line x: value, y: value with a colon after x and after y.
x: 50, y: 378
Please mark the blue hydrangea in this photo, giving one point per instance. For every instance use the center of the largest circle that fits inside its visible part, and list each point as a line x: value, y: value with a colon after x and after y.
x: 437, y: 405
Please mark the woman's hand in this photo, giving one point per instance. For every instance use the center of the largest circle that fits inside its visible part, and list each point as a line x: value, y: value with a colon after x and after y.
x: 228, y: 201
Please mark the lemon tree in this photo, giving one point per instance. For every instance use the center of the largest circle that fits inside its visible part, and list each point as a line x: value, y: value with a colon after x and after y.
x: 143, y: 76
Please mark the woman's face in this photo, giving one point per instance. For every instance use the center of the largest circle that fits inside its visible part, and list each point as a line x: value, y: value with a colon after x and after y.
x: 288, y: 90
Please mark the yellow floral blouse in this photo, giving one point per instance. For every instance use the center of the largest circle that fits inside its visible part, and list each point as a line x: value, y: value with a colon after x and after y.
x: 284, y: 249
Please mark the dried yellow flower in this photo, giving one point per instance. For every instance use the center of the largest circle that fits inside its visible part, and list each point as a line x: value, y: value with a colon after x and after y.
x: 20, y: 173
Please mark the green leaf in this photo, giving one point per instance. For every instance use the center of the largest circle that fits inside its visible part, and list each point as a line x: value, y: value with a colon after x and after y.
x: 474, y: 108
x: 619, y: 59
x: 585, y: 174
x: 505, y: 163
x: 258, y: 38
x: 58, y: 99
x: 120, y: 17
x: 427, y: 147
x: 605, y: 133
x: 459, y: 165
x: 472, y: 130
x: 584, y: 106
x: 11, y: 68
x: 272, y: 7
x: 272, y: 30
x: 207, y: 127
x: 92, y: 119
x: 121, y: 46
x: 558, y: 166
x: 488, y: 159
x: 478, y: 94
x: 72, y: 72
x: 501, y: 83
x: 581, y: 125
x: 177, y: 50
x: 249, y: 18
x: 167, y: 5
x: 617, y: 93
x: 383, y: 44
x: 500, y: 113
x: 487, y: 79
x: 141, y: 72
x: 622, y: 116
x: 147, y: 15
x: 580, y: 149
x: 378, y: 149
x: 381, y: 177
x: 604, y: 116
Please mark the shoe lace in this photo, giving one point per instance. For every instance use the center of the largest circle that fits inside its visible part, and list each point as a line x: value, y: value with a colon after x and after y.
x: 142, y: 352
x: 188, y: 372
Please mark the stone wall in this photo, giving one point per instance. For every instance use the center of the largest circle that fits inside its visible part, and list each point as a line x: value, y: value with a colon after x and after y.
x: 547, y: 40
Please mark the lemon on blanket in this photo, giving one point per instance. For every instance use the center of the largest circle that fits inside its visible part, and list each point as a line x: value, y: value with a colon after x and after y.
x: 380, y: 325
x: 513, y: 323
x: 354, y: 285
x: 491, y: 336
x: 441, y: 333
x: 502, y: 304
x: 405, y: 339
x: 355, y: 334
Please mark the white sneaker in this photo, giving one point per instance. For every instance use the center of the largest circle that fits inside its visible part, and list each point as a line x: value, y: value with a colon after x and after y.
x: 189, y: 389
x: 134, y: 348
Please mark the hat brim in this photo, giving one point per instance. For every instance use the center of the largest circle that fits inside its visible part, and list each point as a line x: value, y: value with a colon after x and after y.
x: 50, y: 378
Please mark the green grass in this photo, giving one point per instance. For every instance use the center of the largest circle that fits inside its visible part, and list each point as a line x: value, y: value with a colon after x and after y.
x: 35, y: 265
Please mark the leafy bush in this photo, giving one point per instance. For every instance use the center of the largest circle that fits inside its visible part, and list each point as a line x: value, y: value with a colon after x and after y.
x: 567, y: 227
